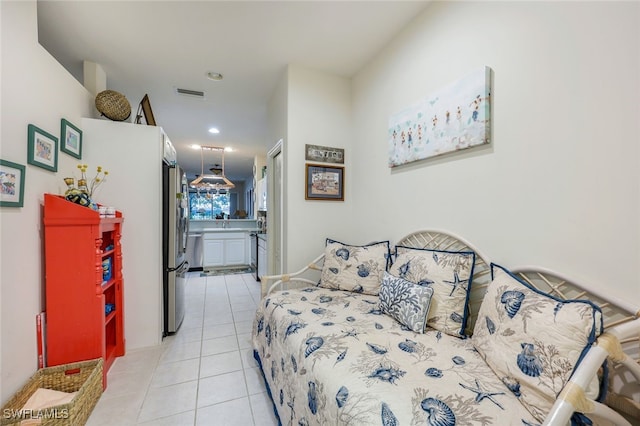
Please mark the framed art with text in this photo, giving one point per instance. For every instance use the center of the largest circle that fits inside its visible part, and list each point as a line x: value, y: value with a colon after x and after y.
x: 324, y: 154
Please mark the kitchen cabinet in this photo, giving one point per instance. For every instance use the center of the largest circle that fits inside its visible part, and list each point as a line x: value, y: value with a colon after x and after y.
x: 222, y: 249
x: 234, y: 251
x: 213, y: 252
x: 84, y: 286
x: 262, y: 256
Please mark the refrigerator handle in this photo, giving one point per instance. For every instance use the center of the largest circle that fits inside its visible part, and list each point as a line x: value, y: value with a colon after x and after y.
x: 184, y: 265
x: 186, y: 233
x: 184, y: 189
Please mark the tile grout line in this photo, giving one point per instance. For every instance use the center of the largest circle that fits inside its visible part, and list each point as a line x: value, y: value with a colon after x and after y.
x: 204, y: 304
x: 213, y: 291
x: 209, y: 291
x: 155, y: 369
x: 244, y: 370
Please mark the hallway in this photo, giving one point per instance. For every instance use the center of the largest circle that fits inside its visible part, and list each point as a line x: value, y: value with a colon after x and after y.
x: 203, y: 375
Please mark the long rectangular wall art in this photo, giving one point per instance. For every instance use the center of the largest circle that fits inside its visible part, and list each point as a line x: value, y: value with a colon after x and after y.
x: 455, y: 117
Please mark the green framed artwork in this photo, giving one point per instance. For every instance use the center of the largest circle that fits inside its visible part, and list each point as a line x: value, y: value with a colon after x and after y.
x: 42, y: 149
x: 70, y: 139
x: 11, y: 184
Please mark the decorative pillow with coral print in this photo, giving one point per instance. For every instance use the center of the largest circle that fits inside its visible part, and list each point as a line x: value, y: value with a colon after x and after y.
x: 406, y: 302
x: 449, y: 274
x: 532, y: 340
x: 354, y: 268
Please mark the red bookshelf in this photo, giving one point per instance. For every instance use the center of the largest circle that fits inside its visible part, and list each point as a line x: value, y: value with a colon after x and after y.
x: 76, y: 243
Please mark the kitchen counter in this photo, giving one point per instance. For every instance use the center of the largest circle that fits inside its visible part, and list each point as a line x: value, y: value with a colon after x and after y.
x: 215, y: 225
x: 205, y: 230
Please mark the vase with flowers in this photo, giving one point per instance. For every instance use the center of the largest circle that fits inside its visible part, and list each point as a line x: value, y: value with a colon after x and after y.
x: 83, y: 193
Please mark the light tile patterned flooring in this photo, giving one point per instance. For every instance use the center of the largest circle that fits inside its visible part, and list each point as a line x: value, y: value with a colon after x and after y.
x: 203, y: 375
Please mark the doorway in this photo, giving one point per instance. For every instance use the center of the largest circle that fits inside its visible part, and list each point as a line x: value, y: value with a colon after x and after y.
x: 275, y: 207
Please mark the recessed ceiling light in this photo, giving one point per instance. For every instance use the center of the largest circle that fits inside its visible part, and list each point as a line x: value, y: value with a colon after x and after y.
x: 196, y: 146
x: 214, y: 131
x: 228, y: 149
x: 215, y: 76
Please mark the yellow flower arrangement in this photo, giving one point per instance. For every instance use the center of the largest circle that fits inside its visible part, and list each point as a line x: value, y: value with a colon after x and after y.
x: 99, y: 178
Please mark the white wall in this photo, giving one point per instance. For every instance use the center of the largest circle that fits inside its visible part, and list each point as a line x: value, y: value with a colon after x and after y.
x: 133, y: 156
x: 277, y: 109
x: 319, y: 113
x: 35, y: 90
x: 559, y: 185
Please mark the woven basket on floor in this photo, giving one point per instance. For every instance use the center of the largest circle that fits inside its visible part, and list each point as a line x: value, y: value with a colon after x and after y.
x: 84, y: 377
x: 113, y: 105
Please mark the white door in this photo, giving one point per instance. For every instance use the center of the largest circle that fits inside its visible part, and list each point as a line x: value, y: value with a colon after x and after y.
x: 275, y: 216
x: 277, y: 200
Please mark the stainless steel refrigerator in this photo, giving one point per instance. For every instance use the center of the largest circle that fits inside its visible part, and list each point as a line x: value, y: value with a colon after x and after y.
x: 175, y: 232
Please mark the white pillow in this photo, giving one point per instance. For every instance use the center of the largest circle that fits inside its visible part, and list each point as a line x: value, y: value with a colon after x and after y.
x: 532, y: 340
x: 449, y: 274
x: 354, y: 268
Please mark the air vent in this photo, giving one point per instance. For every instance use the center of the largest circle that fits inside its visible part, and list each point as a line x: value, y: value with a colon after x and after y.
x: 194, y: 93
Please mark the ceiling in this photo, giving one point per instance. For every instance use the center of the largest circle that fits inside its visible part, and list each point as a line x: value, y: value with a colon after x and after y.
x: 156, y: 47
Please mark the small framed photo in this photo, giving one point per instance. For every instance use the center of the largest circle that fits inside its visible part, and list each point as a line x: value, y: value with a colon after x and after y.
x: 148, y: 112
x: 324, y: 182
x: 42, y: 149
x: 11, y: 184
x: 70, y: 139
x: 145, y: 109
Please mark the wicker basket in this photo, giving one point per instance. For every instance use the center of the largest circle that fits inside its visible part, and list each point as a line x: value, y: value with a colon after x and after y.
x: 84, y: 377
x: 113, y: 105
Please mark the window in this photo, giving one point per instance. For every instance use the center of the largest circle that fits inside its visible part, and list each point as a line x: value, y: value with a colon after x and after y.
x: 208, y: 206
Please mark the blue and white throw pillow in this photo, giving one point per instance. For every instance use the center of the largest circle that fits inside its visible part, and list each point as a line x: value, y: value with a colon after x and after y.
x: 449, y: 274
x: 354, y: 268
x: 406, y: 302
x: 532, y: 340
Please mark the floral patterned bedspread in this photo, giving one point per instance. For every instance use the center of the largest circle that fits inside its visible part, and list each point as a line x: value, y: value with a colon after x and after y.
x: 331, y: 357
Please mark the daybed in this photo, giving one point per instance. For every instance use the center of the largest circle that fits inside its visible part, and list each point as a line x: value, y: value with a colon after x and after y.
x: 355, y: 344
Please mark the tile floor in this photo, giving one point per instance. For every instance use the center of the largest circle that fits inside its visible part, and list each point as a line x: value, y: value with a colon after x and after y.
x: 203, y: 375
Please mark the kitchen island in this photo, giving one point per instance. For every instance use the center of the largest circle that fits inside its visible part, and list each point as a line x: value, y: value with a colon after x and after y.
x: 225, y: 244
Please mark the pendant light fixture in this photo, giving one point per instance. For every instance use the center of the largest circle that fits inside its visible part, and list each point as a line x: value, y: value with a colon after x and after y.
x: 213, y: 181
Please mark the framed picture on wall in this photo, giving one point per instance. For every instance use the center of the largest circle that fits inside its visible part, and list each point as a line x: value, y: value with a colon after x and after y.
x: 324, y: 182
x: 455, y: 117
x: 42, y: 149
x: 324, y: 154
x: 70, y: 139
x: 11, y: 184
